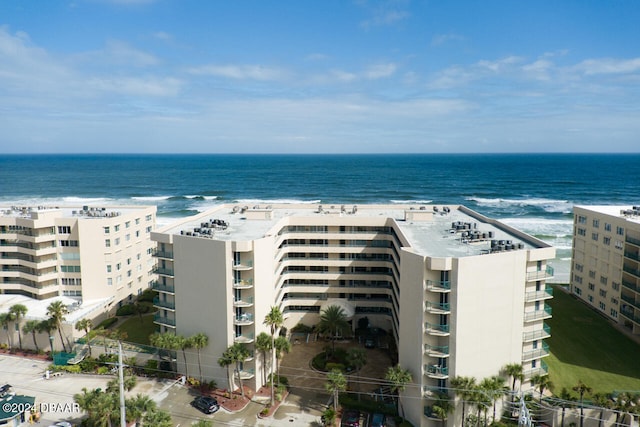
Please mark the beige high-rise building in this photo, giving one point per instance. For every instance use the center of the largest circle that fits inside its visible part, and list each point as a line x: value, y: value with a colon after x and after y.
x: 461, y: 294
x: 605, y: 269
x: 97, y: 257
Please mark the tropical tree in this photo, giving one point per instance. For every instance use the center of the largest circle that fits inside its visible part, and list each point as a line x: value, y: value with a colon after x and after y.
x: 236, y: 354
x: 442, y: 407
x: 582, y: 389
x: 47, y: 326
x: 624, y: 404
x: 129, y: 382
x: 225, y: 361
x: 85, y: 325
x: 18, y: 311
x: 398, y: 378
x: 333, y: 320
x: 199, y: 341
x: 158, y: 418
x: 263, y: 345
x: 514, y: 370
x: 139, y: 406
x: 357, y: 358
x: 32, y: 327
x: 202, y: 423
x: 464, y: 387
x: 57, y: 312
x: 494, y: 388
x: 184, y: 343
x: 283, y: 346
x: 5, y: 321
x: 604, y: 402
x: 167, y: 342
x: 274, y: 320
x: 543, y: 382
x: 565, y: 402
x: 336, y: 382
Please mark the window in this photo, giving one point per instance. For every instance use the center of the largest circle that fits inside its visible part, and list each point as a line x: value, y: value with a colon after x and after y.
x: 107, y: 243
x: 70, y: 268
x: 127, y: 224
x: 128, y: 261
x: 137, y: 221
x: 117, y: 227
x: 148, y: 229
x: 582, y: 231
x: 68, y: 243
x: 137, y: 233
x: 594, y: 236
x: 615, y: 286
x: 64, y: 229
x: 596, y: 223
x: 603, y: 280
x: 590, y: 298
x: 592, y: 274
x: 603, y: 293
x: 620, y: 231
x: 614, y: 313
x: 607, y: 227
x: 618, y: 244
x: 127, y: 237
x: 109, y: 281
x: 582, y: 219
x: 118, y: 266
x: 107, y: 230
x: 592, y: 286
x: 108, y: 268
x: 128, y: 273
x: 614, y: 301
x: 117, y: 241
x: 578, y: 279
x: 606, y: 240
x: 602, y: 306
x: 579, y: 267
x: 148, y: 217
x: 577, y: 290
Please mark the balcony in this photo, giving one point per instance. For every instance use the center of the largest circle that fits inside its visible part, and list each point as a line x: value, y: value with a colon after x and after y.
x: 438, y: 308
x: 162, y: 287
x: 545, y: 274
x: 436, y: 371
x: 162, y: 320
x: 632, y: 241
x: 243, y: 266
x: 629, y: 285
x: 243, y: 302
x: 429, y: 413
x: 163, y: 271
x: 633, y: 271
x: 162, y: 254
x: 243, y: 339
x: 438, y: 286
x: 436, y: 329
x: 247, y: 374
x: 543, y: 333
x: 532, y: 316
x: 630, y: 300
x: 632, y: 255
x: 628, y: 313
x: 244, y: 319
x: 242, y: 284
x: 169, y: 305
x: 436, y: 350
x: 543, y: 369
x: 539, y: 295
x: 536, y: 353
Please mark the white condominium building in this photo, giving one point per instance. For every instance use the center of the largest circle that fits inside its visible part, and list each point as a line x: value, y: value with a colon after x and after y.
x: 605, y: 270
x: 85, y: 253
x: 461, y: 294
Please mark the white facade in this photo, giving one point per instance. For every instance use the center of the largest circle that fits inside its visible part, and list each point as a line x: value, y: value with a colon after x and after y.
x: 462, y: 295
x: 605, y: 269
x: 94, y: 258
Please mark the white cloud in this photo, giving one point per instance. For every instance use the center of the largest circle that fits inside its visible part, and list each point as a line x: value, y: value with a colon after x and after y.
x: 440, y: 39
x: 385, y: 13
x: 609, y: 66
x: 240, y: 72
x: 149, y: 86
x: 122, y: 53
x: 379, y: 71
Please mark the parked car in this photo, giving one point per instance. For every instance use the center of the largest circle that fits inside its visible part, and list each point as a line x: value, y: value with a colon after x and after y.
x: 350, y: 418
x: 377, y: 420
x: 206, y: 404
x: 370, y: 342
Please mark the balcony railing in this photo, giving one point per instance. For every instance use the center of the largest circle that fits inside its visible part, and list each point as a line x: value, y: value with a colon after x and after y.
x: 436, y: 350
x: 436, y: 329
x: 242, y: 284
x: 436, y: 371
x: 243, y: 265
x: 170, y: 305
x: 163, y: 271
x: 547, y: 273
x: 538, y: 314
x: 632, y: 255
x: 163, y: 287
x: 243, y: 302
x: 539, y: 295
x: 629, y: 314
x: 164, y: 320
x: 543, y: 333
x: 437, y: 308
x: 244, y: 319
x: 543, y: 369
x: 162, y: 254
x: 439, y: 286
x: 632, y: 240
x: 244, y: 338
x: 536, y: 353
x: 247, y: 374
x: 630, y: 270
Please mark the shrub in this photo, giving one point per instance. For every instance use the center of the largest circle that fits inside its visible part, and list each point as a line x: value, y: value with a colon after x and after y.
x: 330, y: 366
x: 319, y: 361
x: 148, y: 295
x: 107, y: 358
x: 103, y: 370
x: 106, y: 323
x: 125, y: 310
x: 88, y: 365
x: 73, y: 369
x: 302, y: 328
x: 151, y: 367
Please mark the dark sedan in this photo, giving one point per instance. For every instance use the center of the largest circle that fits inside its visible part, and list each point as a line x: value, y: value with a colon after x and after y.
x: 206, y: 404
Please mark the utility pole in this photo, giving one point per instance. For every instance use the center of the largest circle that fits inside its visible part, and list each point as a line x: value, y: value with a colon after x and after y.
x: 123, y: 415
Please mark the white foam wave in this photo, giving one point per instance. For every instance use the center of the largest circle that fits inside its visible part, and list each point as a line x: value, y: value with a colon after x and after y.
x: 548, y: 205
x: 151, y: 198
x: 195, y: 196
x: 556, y: 232
x: 409, y: 202
x: 275, y: 201
x: 84, y: 200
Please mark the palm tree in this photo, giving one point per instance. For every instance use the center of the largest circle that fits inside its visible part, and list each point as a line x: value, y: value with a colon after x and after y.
x: 32, y: 327
x: 582, y: 389
x: 18, y: 311
x: 565, y: 398
x: 184, y: 343
x: 85, y: 325
x: 48, y: 327
x: 199, y: 341
x: 263, y: 344
x: 165, y: 341
x: 357, y: 358
x: 624, y: 404
x: 5, y: 321
x: 158, y: 418
x: 274, y: 320
x: 604, y: 402
x: 336, y: 382
x: 225, y: 361
x: 139, y: 406
x: 543, y: 382
x: 442, y: 407
x: 464, y: 387
x: 398, y: 378
x: 494, y: 388
x: 56, y: 312
x: 334, y: 321
x: 235, y: 355
x: 283, y: 345
x: 514, y: 370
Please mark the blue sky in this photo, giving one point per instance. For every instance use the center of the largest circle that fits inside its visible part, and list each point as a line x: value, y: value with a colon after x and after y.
x: 302, y: 76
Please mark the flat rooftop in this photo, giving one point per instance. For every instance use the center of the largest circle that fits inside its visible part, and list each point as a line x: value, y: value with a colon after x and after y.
x: 84, y: 211
x: 37, y: 309
x: 628, y: 212
x: 431, y: 230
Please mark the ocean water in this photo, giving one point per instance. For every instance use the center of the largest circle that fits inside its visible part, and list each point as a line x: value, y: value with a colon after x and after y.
x: 533, y: 192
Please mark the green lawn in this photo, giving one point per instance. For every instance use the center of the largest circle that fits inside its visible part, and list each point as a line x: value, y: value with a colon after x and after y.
x: 585, y: 346
x: 138, y: 332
